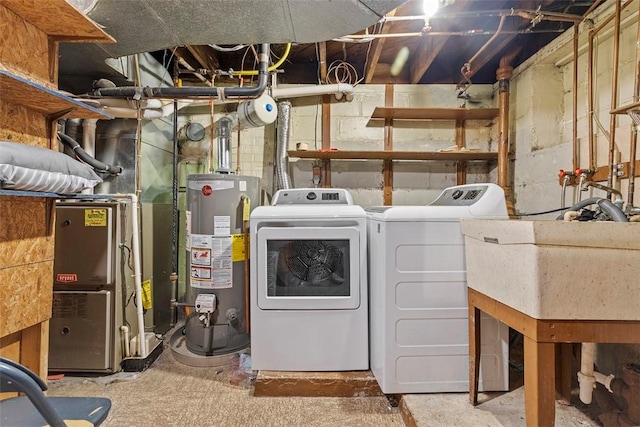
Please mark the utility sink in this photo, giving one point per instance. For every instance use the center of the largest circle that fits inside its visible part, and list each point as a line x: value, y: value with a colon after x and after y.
x: 555, y: 269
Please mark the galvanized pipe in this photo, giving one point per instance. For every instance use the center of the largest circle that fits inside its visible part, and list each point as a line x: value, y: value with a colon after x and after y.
x: 223, y: 131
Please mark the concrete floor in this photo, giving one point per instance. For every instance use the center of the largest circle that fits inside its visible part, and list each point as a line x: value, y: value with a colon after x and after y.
x: 172, y: 394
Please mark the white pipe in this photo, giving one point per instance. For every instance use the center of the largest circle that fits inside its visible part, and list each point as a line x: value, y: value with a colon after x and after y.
x: 89, y: 136
x: 585, y: 376
x: 132, y: 113
x: 89, y: 142
x: 137, y: 270
x: 338, y: 89
x: 130, y: 103
x: 605, y: 380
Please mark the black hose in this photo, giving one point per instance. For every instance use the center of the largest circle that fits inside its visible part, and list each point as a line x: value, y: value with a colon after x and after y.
x: 609, y: 208
x: 97, y: 165
x: 196, y: 92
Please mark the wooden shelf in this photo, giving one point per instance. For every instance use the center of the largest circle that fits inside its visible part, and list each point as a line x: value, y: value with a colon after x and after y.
x: 19, y: 90
x: 421, y: 114
x: 58, y: 19
x: 394, y: 155
x: 625, y: 109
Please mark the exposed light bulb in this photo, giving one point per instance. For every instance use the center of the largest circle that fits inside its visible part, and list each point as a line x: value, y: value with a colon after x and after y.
x: 430, y: 7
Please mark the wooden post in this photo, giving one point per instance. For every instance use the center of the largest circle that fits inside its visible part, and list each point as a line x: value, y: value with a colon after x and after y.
x: 326, y: 140
x: 387, y: 170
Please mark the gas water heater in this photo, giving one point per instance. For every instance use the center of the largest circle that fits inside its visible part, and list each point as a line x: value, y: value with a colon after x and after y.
x: 217, y: 257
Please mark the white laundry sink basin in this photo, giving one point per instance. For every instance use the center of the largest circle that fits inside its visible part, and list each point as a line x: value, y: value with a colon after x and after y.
x: 555, y: 269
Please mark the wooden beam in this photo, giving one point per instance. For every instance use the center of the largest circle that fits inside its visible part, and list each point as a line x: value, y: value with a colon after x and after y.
x: 322, y: 48
x: 377, y: 51
x: 204, y: 57
x: 387, y: 171
x: 461, y: 166
x: 326, y: 140
x: 427, y: 50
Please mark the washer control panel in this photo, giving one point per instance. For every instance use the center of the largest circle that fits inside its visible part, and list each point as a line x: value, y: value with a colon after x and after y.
x: 312, y: 196
x: 466, y: 195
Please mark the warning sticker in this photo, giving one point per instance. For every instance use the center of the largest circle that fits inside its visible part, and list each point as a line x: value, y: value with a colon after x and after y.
x: 200, y: 272
x: 95, y: 217
x: 222, y: 266
x: 237, y: 248
x: 201, y: 256
x: 221, y: 225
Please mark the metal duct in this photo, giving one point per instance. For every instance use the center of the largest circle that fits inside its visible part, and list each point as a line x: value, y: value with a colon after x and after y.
x: 149, y: 25
x: 282, y: 144
x: 224, y: 145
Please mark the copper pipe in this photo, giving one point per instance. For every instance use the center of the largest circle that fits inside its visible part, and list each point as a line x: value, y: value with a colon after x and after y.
x: 614, y: 96
x: 503, y: 75
x: 610, y: 17
x: 470, y: 62
x: 592, y: 160
x: 576, y: 147
x: 592, y: 8
x: 634, y: 128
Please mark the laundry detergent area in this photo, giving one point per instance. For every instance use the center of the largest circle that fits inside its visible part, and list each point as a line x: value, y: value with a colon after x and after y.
x: 357, y: 213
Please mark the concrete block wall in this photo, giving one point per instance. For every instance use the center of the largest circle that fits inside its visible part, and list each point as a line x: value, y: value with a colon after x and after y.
x: 414, y: 182
x: 541, y: 128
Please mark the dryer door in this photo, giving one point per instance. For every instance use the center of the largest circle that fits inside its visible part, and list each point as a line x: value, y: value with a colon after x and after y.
x: 308, y: 268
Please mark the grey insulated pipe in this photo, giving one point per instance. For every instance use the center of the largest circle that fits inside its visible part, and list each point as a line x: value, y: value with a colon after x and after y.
x: 609, y: 208
x: 195, y: 92
x: 97, y: 165
x: 282, y: 159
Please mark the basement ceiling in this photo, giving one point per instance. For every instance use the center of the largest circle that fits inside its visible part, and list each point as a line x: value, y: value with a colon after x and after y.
x: 340, y: 40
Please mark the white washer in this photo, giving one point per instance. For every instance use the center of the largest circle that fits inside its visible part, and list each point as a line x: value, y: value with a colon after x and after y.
x: 309, y: 308
x: 419, y: 312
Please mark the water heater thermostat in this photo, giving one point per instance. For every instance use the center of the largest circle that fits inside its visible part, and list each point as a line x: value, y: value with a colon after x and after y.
x: 205, y: 303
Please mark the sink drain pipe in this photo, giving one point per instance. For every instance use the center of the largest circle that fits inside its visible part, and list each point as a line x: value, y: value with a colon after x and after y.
x: 587, y: 376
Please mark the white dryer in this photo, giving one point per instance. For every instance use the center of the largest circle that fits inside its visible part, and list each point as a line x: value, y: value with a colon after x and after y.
x: 309, y: 308
x: 418, y: 295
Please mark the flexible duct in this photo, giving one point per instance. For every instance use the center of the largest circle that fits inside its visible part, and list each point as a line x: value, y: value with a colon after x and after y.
x: 282, y: 144
x: 195, y: 92
x: 82, y: 155
x: 223, y: 131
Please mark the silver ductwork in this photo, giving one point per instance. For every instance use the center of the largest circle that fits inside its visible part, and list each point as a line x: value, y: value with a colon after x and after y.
x: 282, y: 144
x: 223, y: 131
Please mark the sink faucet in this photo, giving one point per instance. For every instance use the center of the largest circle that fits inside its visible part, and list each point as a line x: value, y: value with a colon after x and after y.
x: 588, y: 184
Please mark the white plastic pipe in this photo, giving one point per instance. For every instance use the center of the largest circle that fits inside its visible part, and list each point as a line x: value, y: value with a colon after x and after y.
x: 132, y: 113
x: 585, y: 376
x: 130, y: 103
x: 338, y: 89
x: 137, y: 269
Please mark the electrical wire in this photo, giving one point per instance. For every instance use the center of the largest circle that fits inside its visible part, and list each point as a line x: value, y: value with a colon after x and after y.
x: 342, y: 72
x: 228, y: 49
x: 543, y: 212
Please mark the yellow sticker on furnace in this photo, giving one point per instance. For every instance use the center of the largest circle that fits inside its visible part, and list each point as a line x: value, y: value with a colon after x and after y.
x: 95, y: 217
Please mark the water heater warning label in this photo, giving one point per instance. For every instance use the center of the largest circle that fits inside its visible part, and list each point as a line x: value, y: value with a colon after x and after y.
x: 211, y: 262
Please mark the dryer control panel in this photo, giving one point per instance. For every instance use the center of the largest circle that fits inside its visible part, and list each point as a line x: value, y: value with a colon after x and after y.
x: 312, y: 196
